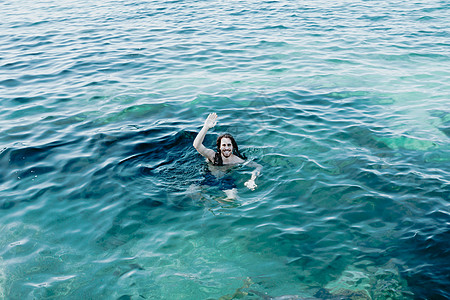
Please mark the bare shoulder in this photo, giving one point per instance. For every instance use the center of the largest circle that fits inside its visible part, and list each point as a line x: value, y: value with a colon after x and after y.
x: 238, y: 160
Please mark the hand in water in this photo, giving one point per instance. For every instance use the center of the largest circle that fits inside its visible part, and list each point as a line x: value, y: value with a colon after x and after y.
x: 251, y: 184
x: 211, y: 120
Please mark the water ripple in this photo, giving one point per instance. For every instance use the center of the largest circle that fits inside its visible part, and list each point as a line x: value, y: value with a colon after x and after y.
x: 343, y: 103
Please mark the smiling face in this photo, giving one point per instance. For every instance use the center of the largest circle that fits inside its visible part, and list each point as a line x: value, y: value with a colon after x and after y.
x: 226, y: 147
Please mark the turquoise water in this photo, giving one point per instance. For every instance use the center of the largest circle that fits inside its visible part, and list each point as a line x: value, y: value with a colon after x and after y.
x: 345, y: 104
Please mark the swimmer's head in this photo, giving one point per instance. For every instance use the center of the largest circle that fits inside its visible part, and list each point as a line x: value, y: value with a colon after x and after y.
x: 226, y: 146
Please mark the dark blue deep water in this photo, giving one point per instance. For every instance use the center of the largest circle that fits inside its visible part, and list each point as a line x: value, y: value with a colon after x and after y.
x: 344, y: 103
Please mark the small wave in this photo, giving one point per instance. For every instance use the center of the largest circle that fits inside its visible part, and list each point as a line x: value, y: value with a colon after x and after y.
x: 169, y: 160
x: 26, y: 100
x: 20, y: 157
x: 10, y: 83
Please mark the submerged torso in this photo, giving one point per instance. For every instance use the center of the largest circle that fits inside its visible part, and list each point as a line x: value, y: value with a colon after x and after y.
x: 219, y: 176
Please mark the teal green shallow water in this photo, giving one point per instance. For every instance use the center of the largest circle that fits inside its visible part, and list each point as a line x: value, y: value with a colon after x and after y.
x: 344, y: 103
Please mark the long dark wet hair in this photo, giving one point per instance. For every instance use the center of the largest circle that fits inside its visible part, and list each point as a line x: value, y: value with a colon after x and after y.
x: 218, y: 157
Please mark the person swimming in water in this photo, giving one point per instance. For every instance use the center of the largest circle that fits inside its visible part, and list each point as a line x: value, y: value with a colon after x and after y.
x: 227, y: 153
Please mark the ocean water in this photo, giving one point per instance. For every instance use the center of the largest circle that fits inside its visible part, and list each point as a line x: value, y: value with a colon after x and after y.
x: 344, y: 103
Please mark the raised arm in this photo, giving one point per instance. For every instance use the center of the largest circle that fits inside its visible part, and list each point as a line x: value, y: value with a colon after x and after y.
x: 210, y: 122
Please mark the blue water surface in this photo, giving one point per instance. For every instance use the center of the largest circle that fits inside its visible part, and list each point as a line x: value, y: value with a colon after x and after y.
x: 344, y: 103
